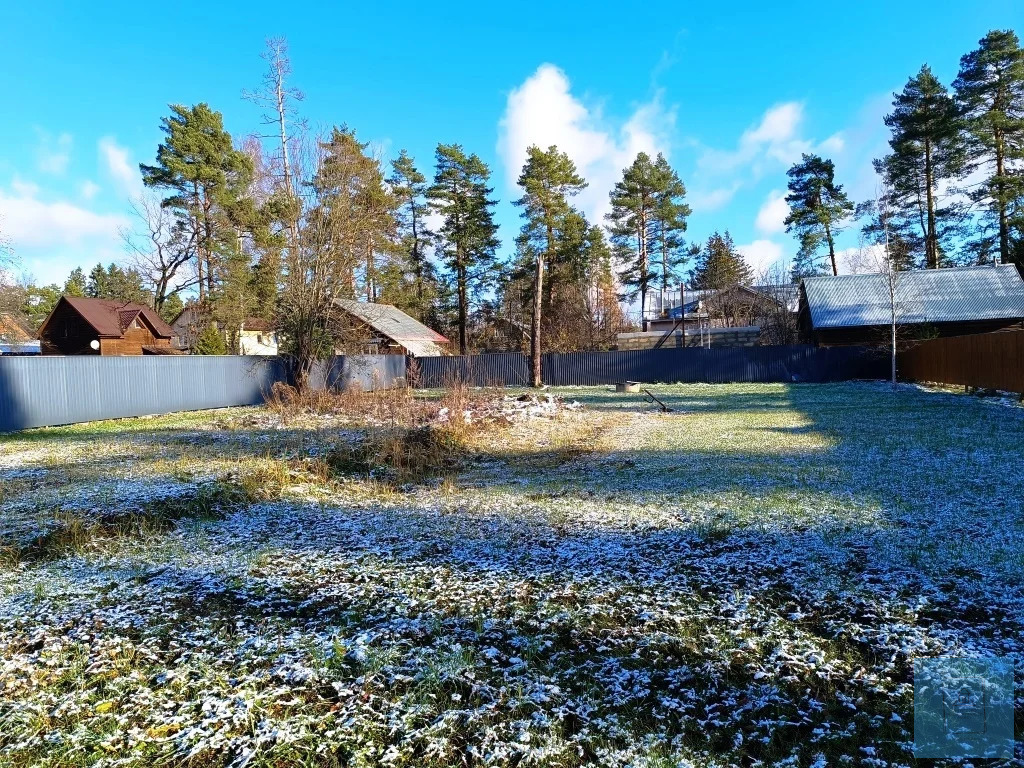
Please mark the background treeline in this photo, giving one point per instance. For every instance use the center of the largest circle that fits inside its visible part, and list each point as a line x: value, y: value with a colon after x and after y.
x: 279, y: 224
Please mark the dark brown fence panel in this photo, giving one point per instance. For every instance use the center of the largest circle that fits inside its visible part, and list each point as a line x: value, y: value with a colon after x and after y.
x: 740, y: 364
x: 508, y: 369
x: 990, y: 360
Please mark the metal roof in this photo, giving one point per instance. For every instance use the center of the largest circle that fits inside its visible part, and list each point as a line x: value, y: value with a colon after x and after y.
x: 950, y: 295
x: 112, y: 318
x: 393, y: 323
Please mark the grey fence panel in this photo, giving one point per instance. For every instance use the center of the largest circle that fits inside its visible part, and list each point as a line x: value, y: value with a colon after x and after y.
x: 45, y: 391
x: 510, y: 369
x: 365, y: 372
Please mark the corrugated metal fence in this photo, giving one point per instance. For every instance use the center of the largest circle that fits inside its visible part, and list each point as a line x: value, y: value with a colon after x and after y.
x: 367, y: 372
x: 42, y: 391
x: 986, y: 360
x: 742, y: 364
x: 46, y: 391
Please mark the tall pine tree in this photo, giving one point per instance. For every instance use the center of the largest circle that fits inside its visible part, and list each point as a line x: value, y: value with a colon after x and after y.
x: 818, y: 211
x: 632, y: 226
x: 549, y: 178
x: 409, y: 187
x: 670, y: 214
x: 205, y: 177
x: 468, y: 237
x: 990, y: 92
x: 927, y: 156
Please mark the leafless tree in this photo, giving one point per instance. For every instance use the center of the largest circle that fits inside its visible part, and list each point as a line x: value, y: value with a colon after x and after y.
x: 162, y: 248
x: 279, y: 99
x: 775, y: 315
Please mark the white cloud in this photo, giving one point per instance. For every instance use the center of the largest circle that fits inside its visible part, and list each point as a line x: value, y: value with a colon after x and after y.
x: 54, y: 154
x: 120, y: 167
x: 88, y: 189
x: 543, y: 111
x: 24, y: 188
x: 33, y: 223
x: 833, y: 144
x: 762, y: 256
x: 771, y: 217
x: 775, y: 138
x: 702, y: 201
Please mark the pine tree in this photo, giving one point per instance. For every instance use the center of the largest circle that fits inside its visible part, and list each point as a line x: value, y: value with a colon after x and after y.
x: 206, y: 177
x: 351, y: 186
x: 548, y: 180
x: 990, y: 92
x: 409, y: 187
x: 927, y: 156
x: 76, y: 284
x: 818, y: 211
x: 632, y: 225
x: 670, y: 214
x: 468, y: 235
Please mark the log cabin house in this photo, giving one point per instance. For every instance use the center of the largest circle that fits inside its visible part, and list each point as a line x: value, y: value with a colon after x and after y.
x: 84, y: 326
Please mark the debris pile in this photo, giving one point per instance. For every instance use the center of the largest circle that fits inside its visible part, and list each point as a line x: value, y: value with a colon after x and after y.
x: 512, y: 409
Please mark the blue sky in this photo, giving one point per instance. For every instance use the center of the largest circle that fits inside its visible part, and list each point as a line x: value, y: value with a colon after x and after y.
x: 731, y: 93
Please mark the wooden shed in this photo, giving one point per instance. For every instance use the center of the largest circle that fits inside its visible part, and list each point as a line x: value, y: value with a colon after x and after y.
x: 84, y: 326
x: 956, y: 301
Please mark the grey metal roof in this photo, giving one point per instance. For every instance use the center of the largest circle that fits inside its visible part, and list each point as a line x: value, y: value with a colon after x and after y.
x: 922, y: 296
x: 393, y: 323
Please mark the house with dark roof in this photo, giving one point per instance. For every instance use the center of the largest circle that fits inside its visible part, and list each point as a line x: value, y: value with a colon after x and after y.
x: 386, y: 330
x: 84, y: 326
x: 856, y: 309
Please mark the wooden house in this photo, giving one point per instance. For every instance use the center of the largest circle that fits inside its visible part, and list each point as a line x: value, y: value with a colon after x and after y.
x: 83, y: 326
x: 386, y: 330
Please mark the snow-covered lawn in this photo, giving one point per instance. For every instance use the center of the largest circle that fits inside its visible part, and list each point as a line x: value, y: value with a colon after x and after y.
x: 743, y: 580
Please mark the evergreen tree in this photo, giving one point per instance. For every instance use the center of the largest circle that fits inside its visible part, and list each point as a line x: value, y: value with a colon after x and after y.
x: 351, y: 188
x: 720, y: 266
x: 171, y: 307
x: 548, y: 180
x: 76, y: 284
x: 117, y: 284
x: 210, y: 342
x: 990, y: 93
x: 927, y: 156
x: 39, y: 301
x: 818, y: 211
x: 468, y: 235
x: 409, y: 187
x: 632, y: 225
x: 670, y: 214
x: 206, y: 178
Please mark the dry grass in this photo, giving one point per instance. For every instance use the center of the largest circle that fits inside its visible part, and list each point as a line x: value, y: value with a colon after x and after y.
x: 408, y: 439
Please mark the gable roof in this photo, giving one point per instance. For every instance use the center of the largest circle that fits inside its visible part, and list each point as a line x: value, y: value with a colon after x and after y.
x: 11, y: 330
x: 396, y: 325
x: 111, y: 319
x: 951, y: 295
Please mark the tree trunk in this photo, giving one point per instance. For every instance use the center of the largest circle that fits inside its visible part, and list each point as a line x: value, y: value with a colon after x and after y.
x: 538, y: 284
x: 1004, y: 229
x: 931, y: 245
x: 463, y: 311
x: 831, y: 249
